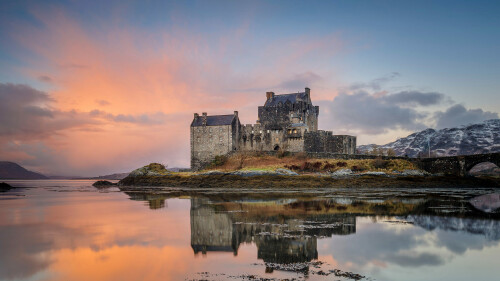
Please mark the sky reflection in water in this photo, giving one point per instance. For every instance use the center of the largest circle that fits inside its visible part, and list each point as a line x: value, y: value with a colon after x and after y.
x: 67, y: 230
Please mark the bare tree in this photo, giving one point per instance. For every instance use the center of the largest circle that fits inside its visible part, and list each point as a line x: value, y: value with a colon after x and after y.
x: 241, y: 157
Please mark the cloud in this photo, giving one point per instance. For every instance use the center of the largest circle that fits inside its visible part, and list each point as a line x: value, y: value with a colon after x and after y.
x: 35, y: 133
x: 45, y: 78
x: 102, y: 102
x: 370, y: 115
x: 151, y: 119
x: 458, y: 115
x: 414, y: 98
x: 375, y: 84
x: 27, y: 113
x: 300, y: 81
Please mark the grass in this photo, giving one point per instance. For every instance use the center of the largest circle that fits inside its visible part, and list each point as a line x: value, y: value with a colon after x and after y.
x: 299, y: 164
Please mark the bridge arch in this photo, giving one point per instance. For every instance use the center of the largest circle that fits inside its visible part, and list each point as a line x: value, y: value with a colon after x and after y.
x: 472, y: 160
x: 485, y: 165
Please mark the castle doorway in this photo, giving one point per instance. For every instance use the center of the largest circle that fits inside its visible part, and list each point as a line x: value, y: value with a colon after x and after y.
x: 276, y: 147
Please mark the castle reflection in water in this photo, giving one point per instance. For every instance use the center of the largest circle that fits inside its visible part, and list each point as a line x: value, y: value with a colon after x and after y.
x: 279, y: 239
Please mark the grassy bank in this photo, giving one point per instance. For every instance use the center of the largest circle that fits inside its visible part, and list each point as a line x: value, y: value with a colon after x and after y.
x: 301, y: 164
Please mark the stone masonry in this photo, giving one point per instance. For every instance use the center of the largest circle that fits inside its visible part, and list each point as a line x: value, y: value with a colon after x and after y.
x: 285, y: 122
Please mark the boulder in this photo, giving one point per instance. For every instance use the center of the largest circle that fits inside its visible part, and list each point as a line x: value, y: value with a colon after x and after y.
x: 5, y: 186
x: 153, y: 169
x: 414, y: 173
x: 342, y: 172
x: 488, y: 203
x: 103, y: 184
x: 286, y: 172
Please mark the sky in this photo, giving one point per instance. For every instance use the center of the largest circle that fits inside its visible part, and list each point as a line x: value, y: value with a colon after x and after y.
x: 90, y: 88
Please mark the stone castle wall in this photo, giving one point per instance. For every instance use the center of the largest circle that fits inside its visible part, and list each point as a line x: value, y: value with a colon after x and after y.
x: 325, y: 141
x: 210, y: 141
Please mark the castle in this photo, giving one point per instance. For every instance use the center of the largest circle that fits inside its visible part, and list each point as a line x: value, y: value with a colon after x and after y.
x: 286, y: 122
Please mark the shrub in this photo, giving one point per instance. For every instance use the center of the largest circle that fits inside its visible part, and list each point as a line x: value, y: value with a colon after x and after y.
x: 282, y: 153
x: 380, y: 163
x: 341, y: 164
x: 219, y: 160
x: 317, y: 165
x: 292, y: 167
x: 301, y: 156
x: 156, y: 167
x: 358, y: 168
x: 329, y: 166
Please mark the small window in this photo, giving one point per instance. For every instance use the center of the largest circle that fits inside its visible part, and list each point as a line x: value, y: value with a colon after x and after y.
x: 295, y: 131
x: 210, y: 130
x: 268, y: 131
x: 220, y: 129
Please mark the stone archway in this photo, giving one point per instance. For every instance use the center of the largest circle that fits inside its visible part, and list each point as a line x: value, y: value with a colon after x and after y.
x: 473, y: 160
x: 276, y: 147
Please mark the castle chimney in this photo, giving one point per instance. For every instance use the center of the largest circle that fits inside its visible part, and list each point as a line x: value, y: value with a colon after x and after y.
x: 204, y: 120
x: 269, y: 95
x: 308, y: 91
x: 236, y: 113
x: 196, y: 115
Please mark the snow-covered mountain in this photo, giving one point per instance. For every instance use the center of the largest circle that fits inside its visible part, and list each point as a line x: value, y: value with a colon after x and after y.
x: 470, y: 139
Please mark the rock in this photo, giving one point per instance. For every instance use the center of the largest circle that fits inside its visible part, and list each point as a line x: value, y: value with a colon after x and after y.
x: 245, y: 173
x: 286, y: 172
x: 5, y: 186
x: 489, y: 203
x: 213, y: 172
x: 103, y: 184
x: 373, y: 174
x: 414, y: 173
x: 342, y: 172
x: 153, y: 169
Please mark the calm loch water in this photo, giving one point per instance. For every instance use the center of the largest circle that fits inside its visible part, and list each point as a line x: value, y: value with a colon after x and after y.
x: 68, y: 230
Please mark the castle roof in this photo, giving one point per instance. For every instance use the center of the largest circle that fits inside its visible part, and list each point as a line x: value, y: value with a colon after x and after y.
x: 286, y: 97
x: 214, y: 120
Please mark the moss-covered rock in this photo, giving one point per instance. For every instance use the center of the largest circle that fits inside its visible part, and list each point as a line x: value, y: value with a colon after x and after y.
x: 153, y: 169
x: 103, y: 184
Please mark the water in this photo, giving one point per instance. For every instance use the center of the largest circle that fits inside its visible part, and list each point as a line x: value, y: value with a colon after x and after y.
x: 68, y: 230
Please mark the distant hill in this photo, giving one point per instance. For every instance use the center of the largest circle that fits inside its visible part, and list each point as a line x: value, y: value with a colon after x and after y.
x: 11, y: 170
x: 117, y: 176
x: 477, y: 138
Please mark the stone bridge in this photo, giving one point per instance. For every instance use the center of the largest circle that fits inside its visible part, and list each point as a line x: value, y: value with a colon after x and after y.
x: 455, y: 165
x: 450, y: 165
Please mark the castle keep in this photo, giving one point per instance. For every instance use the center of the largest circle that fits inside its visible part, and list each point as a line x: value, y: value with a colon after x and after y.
x: 286, y: 122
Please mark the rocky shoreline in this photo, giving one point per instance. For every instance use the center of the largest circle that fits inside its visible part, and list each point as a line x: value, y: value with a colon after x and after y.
x: 225, y: 180
x: 157, y: 175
